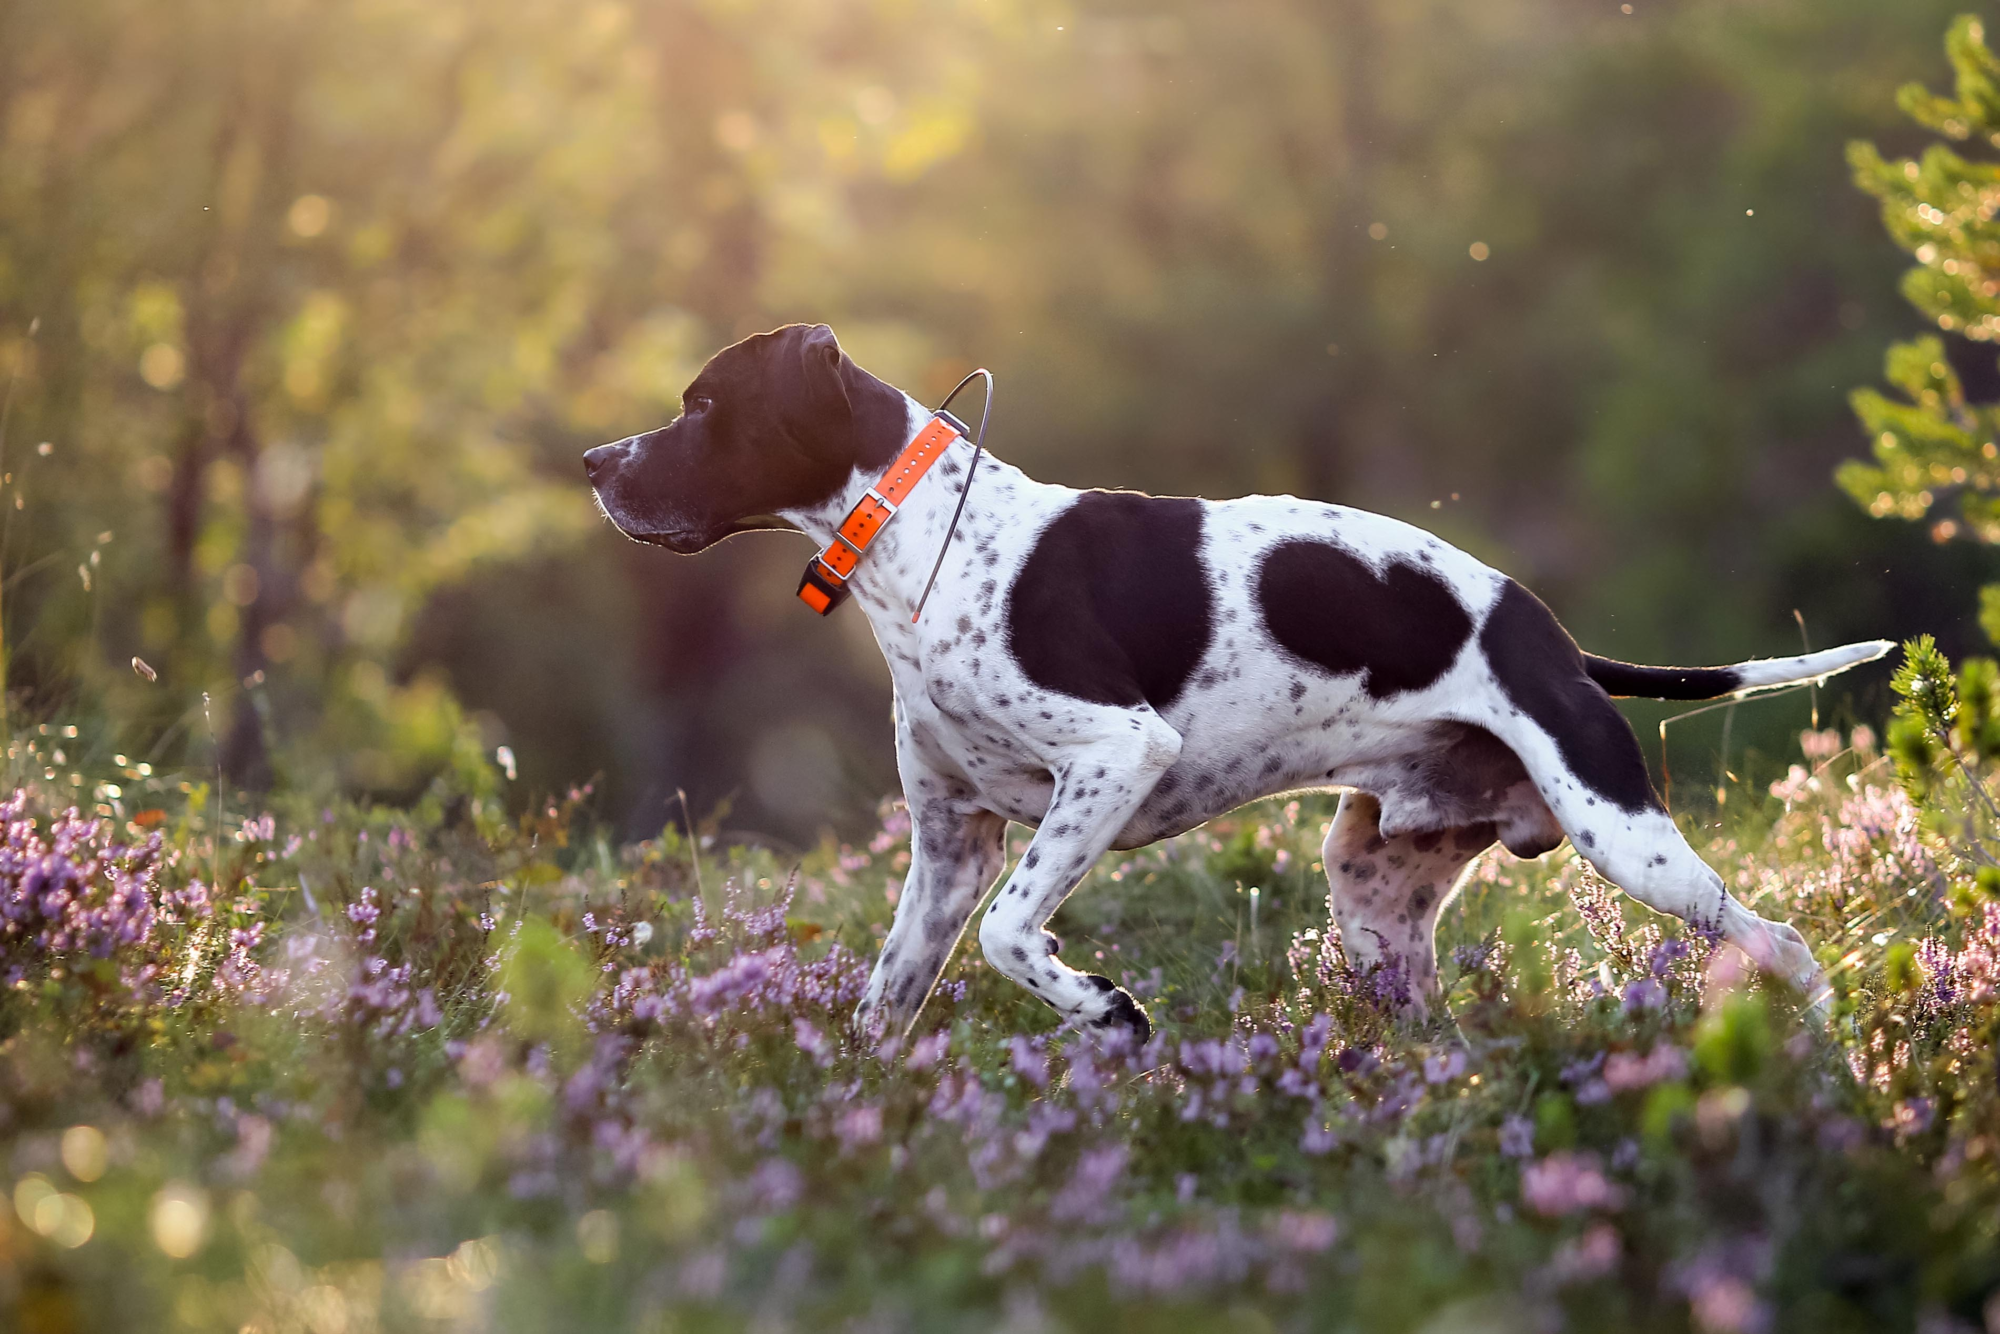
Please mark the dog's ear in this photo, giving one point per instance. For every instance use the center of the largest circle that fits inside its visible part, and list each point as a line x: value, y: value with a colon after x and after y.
x: 820, y: 359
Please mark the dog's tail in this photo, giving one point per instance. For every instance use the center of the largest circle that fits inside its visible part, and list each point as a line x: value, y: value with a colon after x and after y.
x: 1745, y: 678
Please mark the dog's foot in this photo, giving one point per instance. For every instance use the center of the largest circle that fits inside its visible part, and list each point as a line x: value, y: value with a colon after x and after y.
x: 869, y: 1022
x: 1792, y: 959
x: 1779, y: 949
x: 1120, y: 1011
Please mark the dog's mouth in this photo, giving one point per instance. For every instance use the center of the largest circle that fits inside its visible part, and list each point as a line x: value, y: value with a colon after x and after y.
x: 674, y: 539
x: 682, y: 543
x: 688, y: 541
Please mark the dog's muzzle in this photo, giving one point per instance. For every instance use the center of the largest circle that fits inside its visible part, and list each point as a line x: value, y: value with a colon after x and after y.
x: 603, y: 466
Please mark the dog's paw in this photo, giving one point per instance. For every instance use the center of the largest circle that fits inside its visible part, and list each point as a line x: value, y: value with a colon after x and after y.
x: 1120, y: 1011
x: 1792, y: 959
x: 869, y: 1022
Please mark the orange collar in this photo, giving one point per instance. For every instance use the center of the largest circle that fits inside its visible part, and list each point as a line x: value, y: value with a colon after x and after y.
x: 825, y: 584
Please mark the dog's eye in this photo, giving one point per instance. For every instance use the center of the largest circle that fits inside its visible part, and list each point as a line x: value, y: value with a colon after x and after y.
x: 696, y: 404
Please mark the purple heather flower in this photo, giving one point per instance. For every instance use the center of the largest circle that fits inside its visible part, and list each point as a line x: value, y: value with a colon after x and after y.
x: 1028, y: 1061
x: 1645, y: 993
x: 1313, y: 1040
x: 1624, y: 1071
x: 1564, y: 1183
x: 858, y: 1126
x: 1319, y: 1138
x: 1302, y: 1231
x: 1388, y: 983
x: 776, y: 1185
x: 1912, y: 1116
x: 1084, y: 1197
x: 1473, y: 958
x: 812, y: 1042
x: 1590, y: 1256
x: 1442, y: 1069
x: 927, y: 1051
x: 1357, y: 1062
x: 1665, y: 955
x: 1720, y: 1285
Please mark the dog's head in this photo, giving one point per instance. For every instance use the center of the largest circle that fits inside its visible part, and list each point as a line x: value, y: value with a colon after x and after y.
x: 777, y: 422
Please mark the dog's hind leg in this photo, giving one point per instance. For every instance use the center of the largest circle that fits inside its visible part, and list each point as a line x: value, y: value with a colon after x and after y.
x: 1100, y: 783
x: 1582, y: 757
x: 956, y: 852
x: 1644, y: 853
x: 1386, y: 894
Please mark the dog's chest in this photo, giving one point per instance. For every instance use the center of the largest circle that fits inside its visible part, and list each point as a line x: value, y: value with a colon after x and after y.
x: 965, y: 706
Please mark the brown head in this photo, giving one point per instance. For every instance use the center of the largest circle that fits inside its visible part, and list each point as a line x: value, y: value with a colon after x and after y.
x: 777, y: 422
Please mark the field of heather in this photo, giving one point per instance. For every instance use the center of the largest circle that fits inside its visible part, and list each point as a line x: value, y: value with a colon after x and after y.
x: 330, y: 1069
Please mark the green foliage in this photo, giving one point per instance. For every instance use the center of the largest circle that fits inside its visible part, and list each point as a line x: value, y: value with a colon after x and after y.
x: 1924, y: 683
x: 1523, y: 935
x: 1932, y: 446
x: 316, y: 305
x: 1899, y: 970
x: 548, y: 983
x: 1735, y: 1040
x: 1923, y: 732
x: 1248, y: 858
x: 1945, y: 741
x: 1555, y: 1122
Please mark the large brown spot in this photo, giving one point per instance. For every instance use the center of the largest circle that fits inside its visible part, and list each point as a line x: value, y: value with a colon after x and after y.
x: 1402, y: 627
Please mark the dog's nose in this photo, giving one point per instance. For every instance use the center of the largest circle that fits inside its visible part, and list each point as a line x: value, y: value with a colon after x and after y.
x: 595, y: 460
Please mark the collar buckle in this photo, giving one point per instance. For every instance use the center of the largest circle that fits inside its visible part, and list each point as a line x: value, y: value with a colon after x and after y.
x: 819, y: 592
x: 824, y: 586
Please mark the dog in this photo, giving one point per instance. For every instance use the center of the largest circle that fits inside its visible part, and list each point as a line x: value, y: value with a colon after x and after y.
x: 1113, y: 668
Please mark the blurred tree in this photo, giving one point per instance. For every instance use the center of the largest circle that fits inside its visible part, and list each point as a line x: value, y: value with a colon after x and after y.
x: 332, y: 292
x: 1934, y: 446
x: 331, y: 269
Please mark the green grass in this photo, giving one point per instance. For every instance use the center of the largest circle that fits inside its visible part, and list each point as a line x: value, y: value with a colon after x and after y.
x: 456, y: 1070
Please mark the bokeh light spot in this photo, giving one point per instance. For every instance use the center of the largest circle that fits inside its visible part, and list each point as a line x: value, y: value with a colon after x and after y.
x: 179, y: 1220
x: 309, y: 215
x: 84, y: 1152
x: 162, y: 366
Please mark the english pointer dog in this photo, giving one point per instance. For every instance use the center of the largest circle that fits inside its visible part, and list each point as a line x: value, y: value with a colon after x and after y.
x: 1112, y: 668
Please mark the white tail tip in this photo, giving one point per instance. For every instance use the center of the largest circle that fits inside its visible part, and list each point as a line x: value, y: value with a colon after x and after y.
x: 1768, y: 673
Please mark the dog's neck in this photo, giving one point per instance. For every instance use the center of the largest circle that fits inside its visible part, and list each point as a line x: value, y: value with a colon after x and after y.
x: 891, y: 577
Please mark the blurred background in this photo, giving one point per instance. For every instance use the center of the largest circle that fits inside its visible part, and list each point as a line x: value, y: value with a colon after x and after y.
x: 308, y: 307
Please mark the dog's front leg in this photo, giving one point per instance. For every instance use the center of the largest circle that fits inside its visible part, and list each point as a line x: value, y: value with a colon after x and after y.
x: 1100, y: 783
x: 956, y: 851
